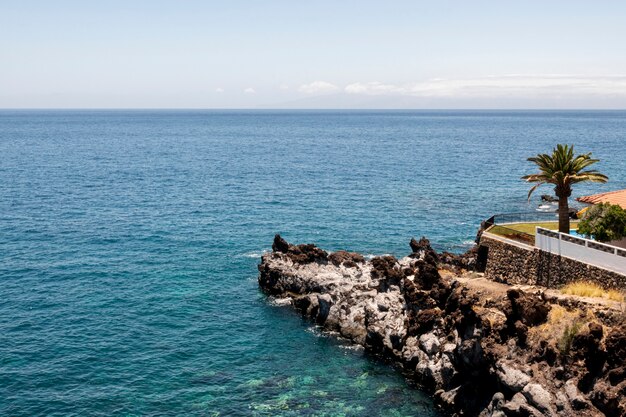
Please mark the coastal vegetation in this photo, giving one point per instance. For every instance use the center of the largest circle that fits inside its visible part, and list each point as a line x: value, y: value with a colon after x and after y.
x: 563, y: 169
x: 605, y: 222
x: 561, y: 328
x: 590, y: 289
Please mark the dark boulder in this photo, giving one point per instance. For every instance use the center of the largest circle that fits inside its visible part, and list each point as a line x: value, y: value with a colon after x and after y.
x: 521, y: 331
x: 387, y: 271
x: 308, y: 253
x: 302, y: 254
x: 616, y: 346
x: 427, y: 274
x: 610, y: 400
x: 617, y: 375
x: 586, y: 345
x: 270, y: 280
x: 423, y: 247
x: 532, y: 310
x: 348, y: 259
x: 416, y: 298
x: 423, y: 321
x: 280, y: 244
x: 455, y: 261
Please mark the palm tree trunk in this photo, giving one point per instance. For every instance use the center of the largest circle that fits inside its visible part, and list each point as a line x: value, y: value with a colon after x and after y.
x: 563, y: 215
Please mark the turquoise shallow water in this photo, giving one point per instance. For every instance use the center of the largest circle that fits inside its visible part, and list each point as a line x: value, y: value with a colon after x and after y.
x: 129, y: 243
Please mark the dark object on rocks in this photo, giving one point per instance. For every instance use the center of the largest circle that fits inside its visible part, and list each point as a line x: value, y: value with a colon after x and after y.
x: 549, y: 198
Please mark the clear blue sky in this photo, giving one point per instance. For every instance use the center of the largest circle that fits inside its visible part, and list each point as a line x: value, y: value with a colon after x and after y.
x: 205, y: 54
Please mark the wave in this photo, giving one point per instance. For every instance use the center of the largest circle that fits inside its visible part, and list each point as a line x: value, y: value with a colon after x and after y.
x: 253, y: 254
x: 370, y: 256
x: 352, y: 347
x: 279, y: 301
x: 321, y: 332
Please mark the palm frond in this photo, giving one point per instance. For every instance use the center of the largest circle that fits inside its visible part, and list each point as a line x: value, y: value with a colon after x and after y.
x: 536, y: 178
x: 589, y: 176
x: 534, y: 188
x: 562, y: 168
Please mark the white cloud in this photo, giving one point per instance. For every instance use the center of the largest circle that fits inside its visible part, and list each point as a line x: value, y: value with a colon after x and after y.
x: 249, y: 90
x: 373, y: 88
x: 516, y: 85
x: 219, y: 90
x: 284, y: 87
x: 318, y: 87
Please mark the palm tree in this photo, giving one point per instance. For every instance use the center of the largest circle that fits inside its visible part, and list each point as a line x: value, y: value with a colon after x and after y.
x: 562, y: 169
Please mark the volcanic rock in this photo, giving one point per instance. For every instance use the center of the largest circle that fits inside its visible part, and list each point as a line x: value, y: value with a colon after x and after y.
x: 479, y: 355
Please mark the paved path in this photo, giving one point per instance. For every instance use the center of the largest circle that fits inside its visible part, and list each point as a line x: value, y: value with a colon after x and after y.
x: 480, y: 285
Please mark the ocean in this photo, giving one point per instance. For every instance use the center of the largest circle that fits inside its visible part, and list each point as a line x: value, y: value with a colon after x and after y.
x: 129, y: 242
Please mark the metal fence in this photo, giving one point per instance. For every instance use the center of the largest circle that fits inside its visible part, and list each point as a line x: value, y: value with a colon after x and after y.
x: 526, y: 217
x: 504, y: 224
x: 584, y: 250
x: 513, y: 234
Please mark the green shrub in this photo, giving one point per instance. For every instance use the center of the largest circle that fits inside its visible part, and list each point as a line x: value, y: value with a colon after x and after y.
x: 565, y: 341
x: 604, y: 222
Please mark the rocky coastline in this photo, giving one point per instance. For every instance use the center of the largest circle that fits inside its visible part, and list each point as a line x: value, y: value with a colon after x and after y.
x: 504, y: 353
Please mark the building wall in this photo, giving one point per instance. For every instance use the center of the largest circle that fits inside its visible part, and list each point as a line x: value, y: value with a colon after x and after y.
x: 509, y: 263
x: 515, y: 263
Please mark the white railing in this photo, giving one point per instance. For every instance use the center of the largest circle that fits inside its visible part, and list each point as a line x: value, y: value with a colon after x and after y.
x: 584, y: 250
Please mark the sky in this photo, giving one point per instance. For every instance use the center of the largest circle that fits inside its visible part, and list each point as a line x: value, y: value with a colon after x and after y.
x: 313, y: 54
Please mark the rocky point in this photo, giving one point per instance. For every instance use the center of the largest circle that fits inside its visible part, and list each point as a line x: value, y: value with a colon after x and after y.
x: 487, y: 356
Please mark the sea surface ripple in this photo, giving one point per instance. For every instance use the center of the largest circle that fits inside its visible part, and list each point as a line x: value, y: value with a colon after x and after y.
x: 129, y: 243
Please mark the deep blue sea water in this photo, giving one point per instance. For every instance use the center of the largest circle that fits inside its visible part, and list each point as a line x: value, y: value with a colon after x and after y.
x: 129, y: 242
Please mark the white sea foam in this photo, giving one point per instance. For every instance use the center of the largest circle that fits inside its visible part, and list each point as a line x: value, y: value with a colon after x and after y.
x: 352, y: 347
x: 254, y: 254
x: 279, y: 301
x: 321, y: 332
x: 370, y: 256
x: 315, y: 330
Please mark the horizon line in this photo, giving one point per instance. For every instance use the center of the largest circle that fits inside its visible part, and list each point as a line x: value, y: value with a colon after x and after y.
x: 303, y: 109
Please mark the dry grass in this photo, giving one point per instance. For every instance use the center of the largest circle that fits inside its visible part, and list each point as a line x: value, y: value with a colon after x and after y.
x: 589, y: 289
x: 561, y: 327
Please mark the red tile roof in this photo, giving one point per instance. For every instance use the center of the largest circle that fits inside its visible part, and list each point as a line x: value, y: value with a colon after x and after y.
x: 613, y: 197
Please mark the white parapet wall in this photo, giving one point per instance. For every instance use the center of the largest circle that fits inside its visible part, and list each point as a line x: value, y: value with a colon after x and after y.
x: 604, y: 256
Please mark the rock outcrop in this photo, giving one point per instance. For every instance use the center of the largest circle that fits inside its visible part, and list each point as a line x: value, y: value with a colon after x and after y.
x: 478, y: 356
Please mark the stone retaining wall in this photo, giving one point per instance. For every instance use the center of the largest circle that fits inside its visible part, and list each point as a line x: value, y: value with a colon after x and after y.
x: 521, y: 264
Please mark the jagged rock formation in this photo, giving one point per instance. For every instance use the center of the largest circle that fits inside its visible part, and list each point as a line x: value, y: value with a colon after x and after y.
x: 479, y: 356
